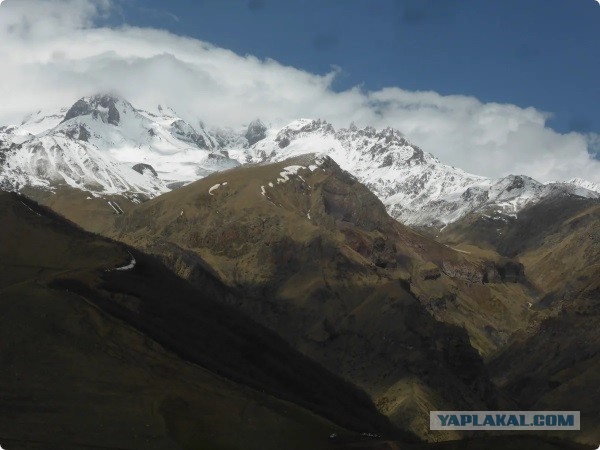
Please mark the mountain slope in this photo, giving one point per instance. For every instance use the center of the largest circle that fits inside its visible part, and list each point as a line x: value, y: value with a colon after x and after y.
x: 75, y: 376
x: 305, y: 197
x: 399, y: 173
x: 553, y: 363
x: 106, y: 348
x: 323, y: 264
x: 308, y: 251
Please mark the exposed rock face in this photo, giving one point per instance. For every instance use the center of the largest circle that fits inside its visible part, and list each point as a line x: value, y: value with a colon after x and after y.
x: 283, y: 141
x: 142, y: 167
x: 506, y: 271
x: 299, y: 129
x: 186, y: 133
x: 98, y: 106
x: 256, y: 131
x: 80, y: 133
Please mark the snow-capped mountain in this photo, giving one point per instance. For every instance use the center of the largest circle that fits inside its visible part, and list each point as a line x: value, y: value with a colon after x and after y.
x: 402, y: 175
x: 98, y: 145
x: 578, y: 182
x: 416, y: 187
x: 102, y: 144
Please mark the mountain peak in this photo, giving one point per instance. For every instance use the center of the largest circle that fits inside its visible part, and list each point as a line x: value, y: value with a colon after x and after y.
x: 301, y: 127
x: 105, y: 107
x: 415, y: 186
x: 256, y: 131
x: 519, y: 182
x: 309, y: 125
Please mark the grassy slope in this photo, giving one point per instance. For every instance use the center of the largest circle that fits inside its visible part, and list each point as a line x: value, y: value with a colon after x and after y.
x: 92, y: 213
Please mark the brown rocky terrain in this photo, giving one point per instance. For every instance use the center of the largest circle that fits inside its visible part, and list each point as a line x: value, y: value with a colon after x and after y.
x: 319, y: 261
x: 94, y: 213
x: 552, y: 364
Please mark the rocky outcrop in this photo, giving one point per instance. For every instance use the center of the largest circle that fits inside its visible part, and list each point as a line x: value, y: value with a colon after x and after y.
x: 103, y: 107
x: 256, y: 131
x: 81, y: 133
x: 184, y: 131
x: 143, y: 168
x: 503, y: 272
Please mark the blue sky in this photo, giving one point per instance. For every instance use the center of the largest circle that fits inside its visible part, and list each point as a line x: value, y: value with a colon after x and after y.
x: 541, y: 53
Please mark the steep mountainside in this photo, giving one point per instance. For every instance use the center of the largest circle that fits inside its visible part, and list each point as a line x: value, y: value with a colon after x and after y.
x: 554, y: 362
x: 102, y: 347
x: 585, y: 184
x: 93, y: 357
x: 324, y: 265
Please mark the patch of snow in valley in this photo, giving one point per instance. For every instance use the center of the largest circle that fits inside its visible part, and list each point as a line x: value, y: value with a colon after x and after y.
x: 129, y: 266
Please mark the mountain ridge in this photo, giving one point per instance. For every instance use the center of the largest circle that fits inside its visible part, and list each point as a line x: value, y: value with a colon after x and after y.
x: 94, y: 145
x: 342, y: 280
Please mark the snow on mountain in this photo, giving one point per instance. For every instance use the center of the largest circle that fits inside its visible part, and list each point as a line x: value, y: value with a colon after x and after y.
x: 95, y: 144
x: 497, y: 197
x: 588, y: 185
x: 416, y: 187
x: 41, y: 121
x: 102, y: 144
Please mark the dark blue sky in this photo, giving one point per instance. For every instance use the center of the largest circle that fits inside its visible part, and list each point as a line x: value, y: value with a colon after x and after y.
x: 540, y: 53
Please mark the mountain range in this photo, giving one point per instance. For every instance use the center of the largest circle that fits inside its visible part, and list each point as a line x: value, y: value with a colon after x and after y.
x: 105, y: 146
x: 300, y: 285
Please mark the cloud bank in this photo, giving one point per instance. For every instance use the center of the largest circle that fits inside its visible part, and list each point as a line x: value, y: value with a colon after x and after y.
x: 53, y: 52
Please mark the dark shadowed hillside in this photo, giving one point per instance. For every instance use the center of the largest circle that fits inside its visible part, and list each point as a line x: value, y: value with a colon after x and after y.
x: 137, y: 358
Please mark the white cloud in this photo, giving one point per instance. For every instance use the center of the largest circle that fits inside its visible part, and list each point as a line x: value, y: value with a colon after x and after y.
x: 52, y: 54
